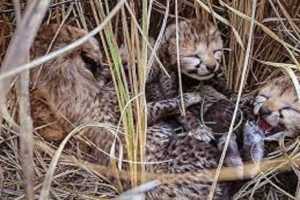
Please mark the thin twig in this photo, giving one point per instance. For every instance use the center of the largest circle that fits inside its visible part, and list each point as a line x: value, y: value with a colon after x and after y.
x: 17, y: 54
x: 26, y: 129
x: 26, y: 140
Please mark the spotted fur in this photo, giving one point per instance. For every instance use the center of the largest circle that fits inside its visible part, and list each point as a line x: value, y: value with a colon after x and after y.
x: 278, y: 105
x: 200, y: 51
x: 65, y: 94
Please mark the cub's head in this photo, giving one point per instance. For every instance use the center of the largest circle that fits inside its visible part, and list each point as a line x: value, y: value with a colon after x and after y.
x: 200, y: 48
x: 278, y: 107
x: 84, y: 61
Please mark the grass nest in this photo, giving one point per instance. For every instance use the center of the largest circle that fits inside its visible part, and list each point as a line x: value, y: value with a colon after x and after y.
x: 273, y: 48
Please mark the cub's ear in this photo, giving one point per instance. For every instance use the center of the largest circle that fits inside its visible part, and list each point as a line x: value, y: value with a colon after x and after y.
x: 171, y: 30
x: 92, y: 56
x: 92, y: 49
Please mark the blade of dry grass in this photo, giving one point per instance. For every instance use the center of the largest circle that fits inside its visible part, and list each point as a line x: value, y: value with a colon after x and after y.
x: 17, y: 8
x: 266, y: 167
x: 236, y: 109
x: 45, y: 191
x: 160, y: 36
x: 178, y: 59
x: 223, y: 20
x: 263, y: 27
x: 121, y: 84
x: 278, y: 65
x: 26, y: 129
x: 1, y: 180
x: 145, y: 39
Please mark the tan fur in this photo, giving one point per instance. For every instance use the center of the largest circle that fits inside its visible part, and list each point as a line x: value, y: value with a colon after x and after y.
x: 66, y: 94
x: 54, y: 97
x: 279, y: 98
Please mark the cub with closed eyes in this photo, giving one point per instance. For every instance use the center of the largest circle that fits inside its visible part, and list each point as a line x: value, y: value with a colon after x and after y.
x: 200, y: 51
x: 278, y: 109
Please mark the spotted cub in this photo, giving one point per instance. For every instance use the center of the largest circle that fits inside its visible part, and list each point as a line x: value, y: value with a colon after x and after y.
x: 200, y: 48
x: 200, y: 51
x: 278, y: 108
x: 65, y: 94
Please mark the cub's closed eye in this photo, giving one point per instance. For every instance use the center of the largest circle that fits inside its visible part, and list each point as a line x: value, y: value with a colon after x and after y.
x: 286, y: 108
x: 217, y: 50
x: 262, y: 96
x: 196, y: 56
x: 290, y: 108
x: 260, y: 99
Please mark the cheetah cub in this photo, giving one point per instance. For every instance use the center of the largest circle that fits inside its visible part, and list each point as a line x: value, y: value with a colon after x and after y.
x: 278, y: 109
x: 200, y: 51
x: 66, y: 94
x: 200, y: 48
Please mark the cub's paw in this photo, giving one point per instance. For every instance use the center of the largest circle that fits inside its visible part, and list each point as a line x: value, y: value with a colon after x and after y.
x: 191, y: 98
x: 202, y: 134
x: 233, y: 157
x: 253, y: 141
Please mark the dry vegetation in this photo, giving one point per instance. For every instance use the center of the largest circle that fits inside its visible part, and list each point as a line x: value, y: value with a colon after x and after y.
x: 260, y: 44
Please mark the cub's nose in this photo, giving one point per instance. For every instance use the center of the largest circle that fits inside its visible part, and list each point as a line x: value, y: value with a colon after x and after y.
x: 211, y: 68
x: 263, y: 111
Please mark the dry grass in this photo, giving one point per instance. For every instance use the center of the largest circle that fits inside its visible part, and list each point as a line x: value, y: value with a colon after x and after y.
x: 252, y: 58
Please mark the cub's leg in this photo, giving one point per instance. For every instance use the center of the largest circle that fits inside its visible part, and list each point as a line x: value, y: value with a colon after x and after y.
x: 164, y: 108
